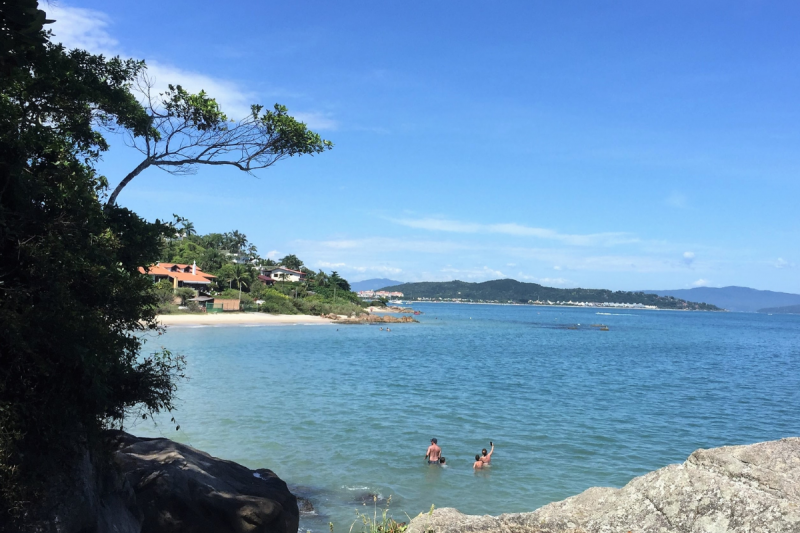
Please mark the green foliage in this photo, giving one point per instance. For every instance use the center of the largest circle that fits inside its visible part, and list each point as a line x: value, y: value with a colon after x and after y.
x: 291, y: 262
x: 73, y: 306
x: 185, y: 293
x: 377, y: 523
x: 187, y: 130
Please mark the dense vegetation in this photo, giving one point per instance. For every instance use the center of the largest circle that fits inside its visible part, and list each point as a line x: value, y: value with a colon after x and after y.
x: 236, y: 263
x: 73, y: 305
x: 509, y: 290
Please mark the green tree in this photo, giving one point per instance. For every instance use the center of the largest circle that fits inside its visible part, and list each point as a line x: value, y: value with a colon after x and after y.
x: 336, y: 279
x: 187, y: 229
x: 241, y: 275
x: 73, y: 305
x: 184, y: 293
x: 292, y: 262
x: 190, y: 130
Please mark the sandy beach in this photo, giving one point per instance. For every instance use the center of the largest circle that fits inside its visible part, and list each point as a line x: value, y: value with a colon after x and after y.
x: 240, y: 319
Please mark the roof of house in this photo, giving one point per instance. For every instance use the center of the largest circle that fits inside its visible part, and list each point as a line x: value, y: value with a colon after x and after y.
x: 179, y: 272
x: 285, y: 269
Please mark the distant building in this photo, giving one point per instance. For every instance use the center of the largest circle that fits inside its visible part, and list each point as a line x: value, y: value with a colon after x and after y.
x: 179, y: 275
x: 280, y: 273
x: 380, y: 294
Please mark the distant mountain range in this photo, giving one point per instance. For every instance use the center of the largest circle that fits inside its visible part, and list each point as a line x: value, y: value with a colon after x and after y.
x: 373, y: 284
x: 734, y: 298
x: 509, y: 290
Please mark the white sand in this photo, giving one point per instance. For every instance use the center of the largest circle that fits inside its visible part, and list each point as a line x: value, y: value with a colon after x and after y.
x: 237, y: 319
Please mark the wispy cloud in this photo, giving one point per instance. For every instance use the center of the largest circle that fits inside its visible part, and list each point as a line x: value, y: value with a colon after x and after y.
x: 473, y: 273
x: 514, y: 229
x: 688, y: 258
x: 88, y: 29
x: 783, y: 263
x: 677, y: 200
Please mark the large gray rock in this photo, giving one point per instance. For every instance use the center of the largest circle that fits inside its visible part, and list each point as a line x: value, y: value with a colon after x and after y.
x: 181, y: 489
x: 753, y: 489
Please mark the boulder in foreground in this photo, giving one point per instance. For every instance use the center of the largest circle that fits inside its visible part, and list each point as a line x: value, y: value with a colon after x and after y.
x: 733, y: 489
x: 181, y: 489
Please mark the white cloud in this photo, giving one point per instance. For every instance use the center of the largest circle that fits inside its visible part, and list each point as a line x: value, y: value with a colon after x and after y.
x: 87, y: 29
x: 474, y: 273
x: 783, y: 263
x: 77, y: 27
x: 455, y: 226
x: 688, y: 258
x: 316, y: 120
x: 273, y: 254
x: 325, y: 264
x: 700, y: 283
x: 677, y: 200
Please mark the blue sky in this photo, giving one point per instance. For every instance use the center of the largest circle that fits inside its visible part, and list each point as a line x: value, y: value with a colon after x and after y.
x: 622, y: 145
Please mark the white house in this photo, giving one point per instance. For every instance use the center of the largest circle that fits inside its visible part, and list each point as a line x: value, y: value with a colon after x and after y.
x: 280, y: 273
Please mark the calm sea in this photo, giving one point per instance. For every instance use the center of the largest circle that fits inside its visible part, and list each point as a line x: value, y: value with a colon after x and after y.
x: 342, y: 411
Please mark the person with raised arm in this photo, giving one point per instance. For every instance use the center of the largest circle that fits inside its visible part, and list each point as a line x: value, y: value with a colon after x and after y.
x: 486, y: 459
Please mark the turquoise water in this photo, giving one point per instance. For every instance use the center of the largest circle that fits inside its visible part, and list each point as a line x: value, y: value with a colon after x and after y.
x: 340, y: 411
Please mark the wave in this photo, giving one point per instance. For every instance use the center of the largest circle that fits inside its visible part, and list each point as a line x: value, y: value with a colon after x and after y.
x: 616, y: 314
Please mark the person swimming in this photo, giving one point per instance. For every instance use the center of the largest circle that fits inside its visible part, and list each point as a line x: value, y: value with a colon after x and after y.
x: 478, y: 463
x: 434, y: 453
x: 487, y: 456
x: 442, y: 461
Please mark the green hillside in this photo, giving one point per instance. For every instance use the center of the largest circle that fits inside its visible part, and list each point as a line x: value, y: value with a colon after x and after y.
x: 509, y: 290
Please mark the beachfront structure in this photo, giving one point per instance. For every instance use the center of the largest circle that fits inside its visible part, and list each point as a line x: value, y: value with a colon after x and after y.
x: 280, y: 273
x: 179, y: 275
x: 380, y: 294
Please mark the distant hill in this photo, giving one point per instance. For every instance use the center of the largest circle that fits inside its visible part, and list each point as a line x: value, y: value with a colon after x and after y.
x: 734, y: 298
x: 509, y: 290
x: 786, y: 310
x: 373, y: 284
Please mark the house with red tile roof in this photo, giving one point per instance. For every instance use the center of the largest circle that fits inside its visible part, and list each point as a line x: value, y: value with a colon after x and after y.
x: 180, y: 275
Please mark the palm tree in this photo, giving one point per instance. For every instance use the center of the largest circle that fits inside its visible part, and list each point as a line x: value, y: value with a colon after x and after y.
x: 321, y: 279
x: 239, y: 274
x: 188, y: 229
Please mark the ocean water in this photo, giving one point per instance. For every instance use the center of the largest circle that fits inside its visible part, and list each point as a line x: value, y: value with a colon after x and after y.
x: 340, y: 412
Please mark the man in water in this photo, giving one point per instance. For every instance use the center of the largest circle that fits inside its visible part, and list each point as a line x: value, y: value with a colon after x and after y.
x: 478, y: 464
x: 433, y: 453
x: 487, y: 457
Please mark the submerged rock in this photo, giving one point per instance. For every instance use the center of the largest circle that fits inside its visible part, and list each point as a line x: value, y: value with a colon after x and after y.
x: 733, y: 489
x: 181, y: 489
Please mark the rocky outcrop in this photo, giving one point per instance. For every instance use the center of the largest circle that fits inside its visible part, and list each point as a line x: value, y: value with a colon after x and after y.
x: 754, y: 489
x: 181, y: 489
x: 370, y: 319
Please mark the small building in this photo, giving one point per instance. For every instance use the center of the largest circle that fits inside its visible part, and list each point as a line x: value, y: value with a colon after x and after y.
x: 180, y: 275
x: 280, y: 273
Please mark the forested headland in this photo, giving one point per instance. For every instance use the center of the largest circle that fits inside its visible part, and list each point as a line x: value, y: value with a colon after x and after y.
x: 512, y: 291
x: 235, y: 262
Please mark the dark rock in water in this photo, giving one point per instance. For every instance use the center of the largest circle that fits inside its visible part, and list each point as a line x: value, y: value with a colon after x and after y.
x: 305, y: 505
x: 369, y: 498
x: 734, y: 489
x: 181, y: 489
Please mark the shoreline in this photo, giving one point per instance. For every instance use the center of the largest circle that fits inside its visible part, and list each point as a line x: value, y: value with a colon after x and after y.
x: 242, y: 319
x: 410, y: 302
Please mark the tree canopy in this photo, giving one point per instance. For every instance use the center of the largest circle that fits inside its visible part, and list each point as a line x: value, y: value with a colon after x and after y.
x: 187, y: 130
x: 72, y: 301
